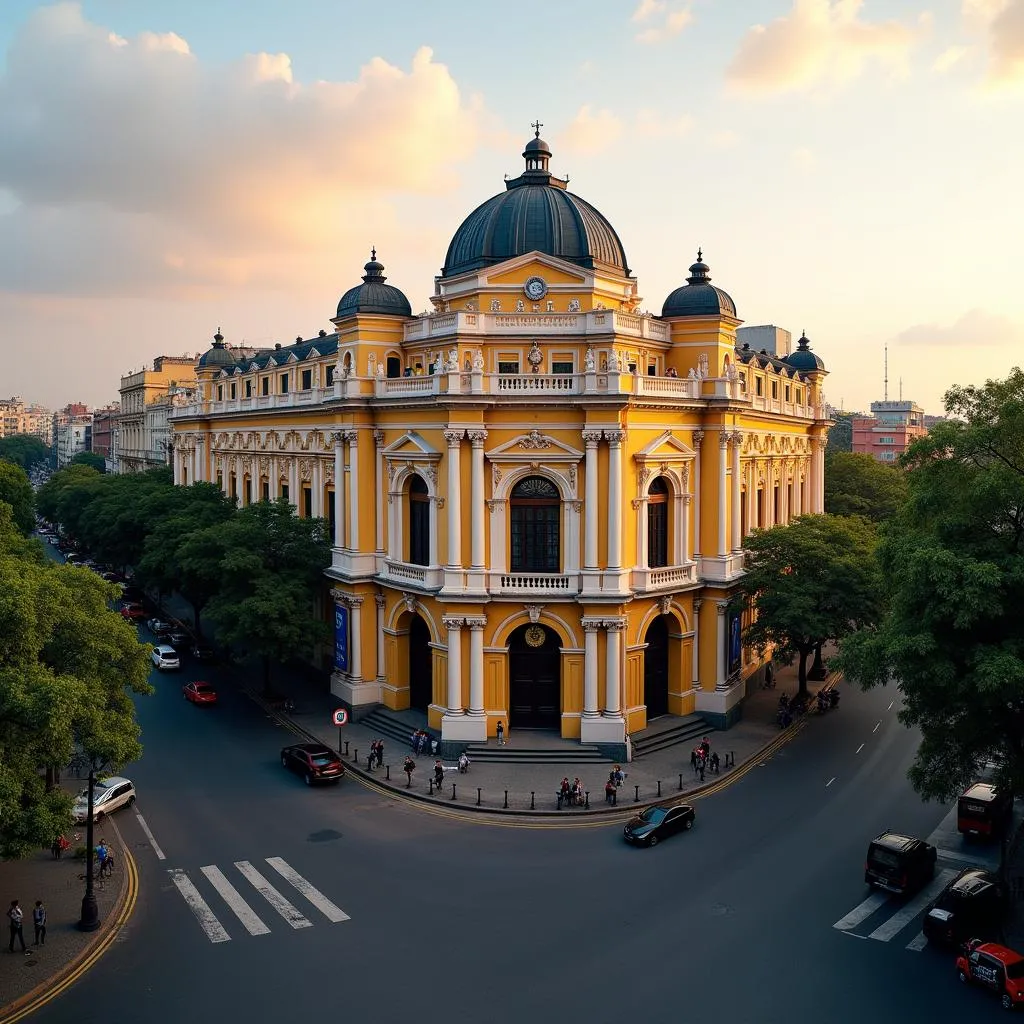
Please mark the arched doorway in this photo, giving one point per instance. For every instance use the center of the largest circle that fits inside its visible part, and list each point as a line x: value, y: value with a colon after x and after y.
x: 656, y: 668
x: 421, y: 665
x: 534, y: 678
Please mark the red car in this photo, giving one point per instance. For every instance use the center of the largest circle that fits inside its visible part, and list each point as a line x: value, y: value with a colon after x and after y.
x: 199, y: 693
x: 133, y: 612
x: 314, y: 762
x: 996, y: 968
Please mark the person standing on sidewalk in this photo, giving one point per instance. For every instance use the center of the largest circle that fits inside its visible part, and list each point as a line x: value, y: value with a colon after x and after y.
x: 500, y: 730
x: 380, y: 753
x: 16, y: 917
x: 39, y: 920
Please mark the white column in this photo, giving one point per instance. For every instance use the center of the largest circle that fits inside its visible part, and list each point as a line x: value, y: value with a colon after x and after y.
x: 751, y: 495
x: 591, y: 509
x: 590, y: 628
x: 275, y: 479
x: 613, y: 669
x: 798, y: 489
x: 697, y: 491
x: 339, y: 488
x: 454, y: 439
x: 784, y: 494
x: 769, y: 494
x: 683, y: 506
x: 478, y: 508
x: 197, y: 461
x: 355, y: 651
x: 316, y: 483
x: 805, y: 499
x: 476, y: 665
x: 819, y: 461
x: 293, y: 481
x: 381, y: 602
x: 721, y: 607
x: 352, y: 436
x: 615, y: 439
x: 723, y: 467
x: 697, y: 602
x: 639, y: 506
x: 177, y: 464
x: 737, y: 493
x: 454, y: 627
x: 240, y: 480
x: 378, y: 504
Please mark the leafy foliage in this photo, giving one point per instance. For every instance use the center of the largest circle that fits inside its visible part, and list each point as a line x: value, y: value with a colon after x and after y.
x: 16, y: 490
x: 953, y: 636
x: 856, y: 484
x: 25, y: 450
x: 91, y: 459
x: 840, y: 434
x: 812, y: 581
x: 68, y: 667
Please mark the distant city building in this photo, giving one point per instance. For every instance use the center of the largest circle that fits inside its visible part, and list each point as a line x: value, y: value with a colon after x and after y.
x: 766, y: 338
x: 136, y: 448
x: 72, y: 433
x: 158, y: 427
x: 104, y: 428
x: 888, y: 432
x: 931, y: 420
x: 18, y: 418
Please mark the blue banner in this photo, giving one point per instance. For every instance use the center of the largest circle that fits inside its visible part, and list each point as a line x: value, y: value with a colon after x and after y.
x: 341, y: 638
x: 735, y: 642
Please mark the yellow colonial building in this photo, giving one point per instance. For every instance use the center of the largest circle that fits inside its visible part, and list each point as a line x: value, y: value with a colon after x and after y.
x: 538, y: 494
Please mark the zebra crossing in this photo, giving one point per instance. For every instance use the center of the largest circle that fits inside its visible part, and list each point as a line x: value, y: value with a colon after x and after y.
x: 249, y: 919
x: 886, y: 918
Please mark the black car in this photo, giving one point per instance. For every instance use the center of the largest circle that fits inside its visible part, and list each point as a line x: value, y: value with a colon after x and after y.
x: 314, y: 762
x: 204, y: 652
x: 899, y: 863
x: 658, y: 822
x: 972, y: 905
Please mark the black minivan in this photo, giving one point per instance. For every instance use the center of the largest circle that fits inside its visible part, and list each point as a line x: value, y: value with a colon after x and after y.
x: 899, y: 863
x: 973, y: 905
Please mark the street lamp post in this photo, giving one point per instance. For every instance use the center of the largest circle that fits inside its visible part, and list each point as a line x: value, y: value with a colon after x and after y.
x: 90, y: 919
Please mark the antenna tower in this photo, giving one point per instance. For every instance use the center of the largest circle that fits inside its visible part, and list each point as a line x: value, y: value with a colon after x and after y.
x: 885, y: 382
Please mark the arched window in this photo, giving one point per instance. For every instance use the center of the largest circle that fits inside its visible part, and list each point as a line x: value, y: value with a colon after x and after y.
x: 394, y: 366
x: 657, y: 524
x: 536, y: 515
x: 419, y: 522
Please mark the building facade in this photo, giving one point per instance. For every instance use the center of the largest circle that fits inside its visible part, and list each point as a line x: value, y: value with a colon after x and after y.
x: 888, y: 432
x: 73, y: 434
x: 538, y: 494
x: 136, y: 447
x: 17, y: 417
x: 104, y: 427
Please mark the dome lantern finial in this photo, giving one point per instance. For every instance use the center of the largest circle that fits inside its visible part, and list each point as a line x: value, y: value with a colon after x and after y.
x: 374, y: 270
x: 373, y: 252
x: 218, y: 339
x: 536, y: 126
x: 537, y: 153
x: 699, y: 270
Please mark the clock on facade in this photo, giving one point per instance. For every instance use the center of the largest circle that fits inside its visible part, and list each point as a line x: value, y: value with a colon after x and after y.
x: 536, y: 288
x: 535, y: 636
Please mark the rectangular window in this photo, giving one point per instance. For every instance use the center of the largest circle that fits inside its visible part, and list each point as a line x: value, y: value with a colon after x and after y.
x: 652, y: 370
x: 886, y: 440
x: 307, y: 380
x: 265, y: 385
x: 220, y: 482
x: 234, y: 486
x: 307, y: 502
x: 775, y: 389
x: 284, y: 492
x: 220, y: 392
x: 265, y: 490
x: 330, y: 375
x: 248, y: 389
x: 330, y: 512
x: 248, y: 492
x: 562, y: 366
x: 283, y: 390
x: 508, y: 366
x: 759, y: 381
x: 535, y: 538
x: 657, y: 534
x: 419, y: 531
x: 788, y: 392
x: 233, y: 390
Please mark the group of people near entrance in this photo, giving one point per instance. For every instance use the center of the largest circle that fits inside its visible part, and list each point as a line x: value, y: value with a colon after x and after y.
x: 616, y: 777
x: 422, y: 743
x: 571, y: 792
x: 703, y: 758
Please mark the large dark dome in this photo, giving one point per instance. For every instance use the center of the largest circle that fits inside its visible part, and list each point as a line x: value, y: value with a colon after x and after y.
x: 803, y: 358
x: 699, y: 297
x: 535, y: 213
x: 373, y: 295
x: 217, y: 354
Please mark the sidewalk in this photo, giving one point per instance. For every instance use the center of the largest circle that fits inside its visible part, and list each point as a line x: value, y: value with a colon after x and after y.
x: 60, y: 884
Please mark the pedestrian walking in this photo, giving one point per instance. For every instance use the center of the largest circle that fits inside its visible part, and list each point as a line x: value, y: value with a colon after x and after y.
x: 16, y: 918
x: 693, y: 760
x: 716, y: 763
x: 500, y: 730
x: 700, y: 767
x: 39, y: 920
x: 380, y: 753
x: 409, y: 766
x: 102, y: 851
x: 438, y: 774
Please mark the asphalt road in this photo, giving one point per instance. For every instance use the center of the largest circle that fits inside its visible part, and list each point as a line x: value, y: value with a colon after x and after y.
x: 451, y: 918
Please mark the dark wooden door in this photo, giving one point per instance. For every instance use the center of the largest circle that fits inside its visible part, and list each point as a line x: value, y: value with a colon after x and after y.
x: 534, y: 679
x: 656, y: 668
x: 421, y: 665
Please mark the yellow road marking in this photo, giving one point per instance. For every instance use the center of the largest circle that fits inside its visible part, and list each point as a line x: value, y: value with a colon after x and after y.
x: 37, y: 999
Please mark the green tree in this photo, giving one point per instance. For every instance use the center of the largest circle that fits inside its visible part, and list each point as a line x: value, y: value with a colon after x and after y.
x: 271, y: 565
x: 97, y: 462
x: 68, y: 667
x: 812, y: 581
x: 180, y: 553
x: 953, y: 637
x: 25, y: 450
x: 65, y: 486
x: 856, y: 484
x: 16, y: 490
x: 840, y: 434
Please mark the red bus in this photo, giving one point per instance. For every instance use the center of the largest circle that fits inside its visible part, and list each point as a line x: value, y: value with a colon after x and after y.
x: 983, y: 811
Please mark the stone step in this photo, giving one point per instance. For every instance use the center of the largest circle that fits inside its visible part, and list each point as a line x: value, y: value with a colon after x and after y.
x: 675, y: 732
x: 572, y: 753
x: 390, y: 728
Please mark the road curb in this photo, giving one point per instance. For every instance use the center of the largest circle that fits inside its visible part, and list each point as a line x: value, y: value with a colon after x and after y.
x: 371, y: 780
x: 123, y: 908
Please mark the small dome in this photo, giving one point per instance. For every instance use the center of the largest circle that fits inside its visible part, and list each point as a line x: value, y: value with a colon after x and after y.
x: 217, y: 355
x: 373, y: 295
x: 699, y: 297
x: 803, y: 358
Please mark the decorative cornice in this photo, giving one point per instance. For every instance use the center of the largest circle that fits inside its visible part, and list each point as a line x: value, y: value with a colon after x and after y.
x: 454, y: 437
x: 477, y: 437
x: 452, y: 622
x: 476, y: 621
x: 535, y: 439
x: 591, y: 438
x: 698, y: 437
x: 615, y: 437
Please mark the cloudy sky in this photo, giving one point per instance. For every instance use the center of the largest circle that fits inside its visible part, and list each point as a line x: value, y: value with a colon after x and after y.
x: 170, y: 166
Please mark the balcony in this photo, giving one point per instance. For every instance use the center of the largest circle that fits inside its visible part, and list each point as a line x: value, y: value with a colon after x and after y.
x: 532, y: 324
x: 405, y: 574
x: 534, y: 584
x: 670, y: 577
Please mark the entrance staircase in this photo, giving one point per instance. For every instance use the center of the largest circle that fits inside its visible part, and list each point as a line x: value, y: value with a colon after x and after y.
x: 668, y: 731
x: 527, y: 748
x: 396, y: 727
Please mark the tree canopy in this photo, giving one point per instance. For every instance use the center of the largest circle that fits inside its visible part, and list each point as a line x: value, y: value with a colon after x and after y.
x: 25, y: 450
x: 952, y: 638
x: 68, y: 667
x: 840, y: 434
x: 16, y: 490
x: 97, y: 462
x: 811, y: 581
x: 856, y: 484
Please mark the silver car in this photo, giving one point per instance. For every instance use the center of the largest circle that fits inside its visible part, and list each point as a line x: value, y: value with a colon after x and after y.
x: 108, y: 795
x: 165, y: 657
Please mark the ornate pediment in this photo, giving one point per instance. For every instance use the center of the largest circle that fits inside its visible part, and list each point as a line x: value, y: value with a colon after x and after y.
x: 665, y: 448
x: 527, y: 446
x: 410, y: 445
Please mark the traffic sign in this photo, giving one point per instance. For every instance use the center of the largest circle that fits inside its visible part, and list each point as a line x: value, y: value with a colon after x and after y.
x: 340, y: 716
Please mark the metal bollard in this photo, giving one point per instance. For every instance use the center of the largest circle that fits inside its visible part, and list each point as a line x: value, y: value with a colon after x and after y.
x: 586, y: 803
x: 478, y: 796
x: 356, y: 758
x: 387, y: 772
x: 369, y: 763
x: 431, y: 781
x: 453, y: 790
x: 408, y: 779
x: 636, y: 794
x: 532, y: 795
x: 559, y: 799
x: 339, y: 740
x: 680, y: 780
x: 346, y: 748
x: 506, y: 798
x: 659, y: 787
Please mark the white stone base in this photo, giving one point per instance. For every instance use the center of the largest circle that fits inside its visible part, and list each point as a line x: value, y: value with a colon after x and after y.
x: 464, y: 728
x: 356, y: 693
x: 719, y: 702
x: 602, y: 730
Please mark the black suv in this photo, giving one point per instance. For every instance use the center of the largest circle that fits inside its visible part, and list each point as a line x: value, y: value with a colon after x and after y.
x: 972, y: 905
x: 899, y: 863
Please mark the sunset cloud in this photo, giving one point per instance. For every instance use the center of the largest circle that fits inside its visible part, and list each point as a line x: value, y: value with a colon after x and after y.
x: 818, y: 42
x: 185, y: 175
x: 593, y: 131
x: 1003, y: 24
x: 976, y: 327
x: 662, y: 20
